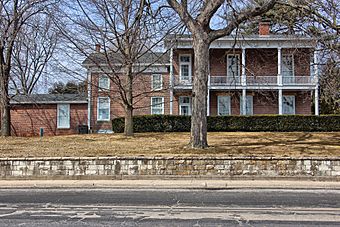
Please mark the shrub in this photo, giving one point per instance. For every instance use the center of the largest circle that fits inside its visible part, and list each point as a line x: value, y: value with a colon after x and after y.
x: 270, y: 123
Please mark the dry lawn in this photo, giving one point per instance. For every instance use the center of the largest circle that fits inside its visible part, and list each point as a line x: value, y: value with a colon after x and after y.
x: 297, y: 144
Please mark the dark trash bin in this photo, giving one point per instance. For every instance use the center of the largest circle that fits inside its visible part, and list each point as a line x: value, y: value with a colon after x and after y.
x: 83, y: 129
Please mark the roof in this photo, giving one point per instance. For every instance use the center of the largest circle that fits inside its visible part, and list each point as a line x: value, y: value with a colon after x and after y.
x: 100, y: 58
x: 49, y: 99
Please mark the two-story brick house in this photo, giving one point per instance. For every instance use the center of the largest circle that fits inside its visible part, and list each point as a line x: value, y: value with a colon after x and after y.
x: 249, y: 75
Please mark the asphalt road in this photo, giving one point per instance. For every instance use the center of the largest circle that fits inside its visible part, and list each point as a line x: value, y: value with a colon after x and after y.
x: 109, y: 207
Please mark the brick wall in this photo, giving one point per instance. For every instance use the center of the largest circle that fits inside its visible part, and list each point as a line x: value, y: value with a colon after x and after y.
x: 27, y: 119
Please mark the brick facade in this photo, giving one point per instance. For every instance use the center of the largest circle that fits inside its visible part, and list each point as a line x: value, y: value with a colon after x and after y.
x: 259, y: 62
x: 27, y: 119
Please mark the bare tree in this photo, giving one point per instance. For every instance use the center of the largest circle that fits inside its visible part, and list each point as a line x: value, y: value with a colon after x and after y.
x: 36, y: 43
x: 197, y: 16
x: 14, y: 14
x: 128, y: 32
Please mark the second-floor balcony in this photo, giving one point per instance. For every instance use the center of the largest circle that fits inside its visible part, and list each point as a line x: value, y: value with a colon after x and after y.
x: 251, y: 81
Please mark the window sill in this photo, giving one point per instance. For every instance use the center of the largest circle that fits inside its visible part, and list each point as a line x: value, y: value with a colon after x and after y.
x: 63, y: 127
x: 100, y: 120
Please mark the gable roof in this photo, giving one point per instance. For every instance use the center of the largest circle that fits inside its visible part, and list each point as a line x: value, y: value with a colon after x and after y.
x: 100, y: 58
x: 49, y: 99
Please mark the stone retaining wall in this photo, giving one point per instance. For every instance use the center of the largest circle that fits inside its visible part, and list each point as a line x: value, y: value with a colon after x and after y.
x: 125, y: 167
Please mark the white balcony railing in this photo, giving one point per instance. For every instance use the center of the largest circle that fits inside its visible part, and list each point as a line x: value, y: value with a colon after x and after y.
x: 250, y: 81
x: 296, y: 80
x: 224, y: 80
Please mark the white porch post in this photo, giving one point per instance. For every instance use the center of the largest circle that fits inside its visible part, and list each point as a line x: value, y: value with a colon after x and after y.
x: 279, y: 78
x: 243, y: 76
x: 280, y: 101
x: 208, y: 94
x: 171, y: 81
x: 244, y: 101
x: 89, y: 99
x: 316, y: 79
x: 279, y: 60
x: 244, y: 83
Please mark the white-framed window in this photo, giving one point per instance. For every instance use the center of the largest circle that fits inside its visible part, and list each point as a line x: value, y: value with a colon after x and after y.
x: 104, y: 82
x: 288, y: 104
x: 157, y: 105
x: 233, y: 66
x: 249, y: 105
x: 287, y: 68
x: 185, y: 105
x: 103, y: 109
x: 156, y: 82
x: 185, y: 73
x: 223, y: 105
x: 63, y: 116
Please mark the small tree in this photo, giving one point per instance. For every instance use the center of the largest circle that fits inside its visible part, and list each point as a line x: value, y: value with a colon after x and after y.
x: 199, y: 23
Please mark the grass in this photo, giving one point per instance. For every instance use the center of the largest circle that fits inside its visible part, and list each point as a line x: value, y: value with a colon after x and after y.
x: 295, y: 144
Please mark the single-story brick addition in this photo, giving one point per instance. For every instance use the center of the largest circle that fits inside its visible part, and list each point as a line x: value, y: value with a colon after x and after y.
x: 56, y: 114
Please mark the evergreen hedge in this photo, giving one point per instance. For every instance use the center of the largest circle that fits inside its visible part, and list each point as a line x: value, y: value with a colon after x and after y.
x: 270, y: 123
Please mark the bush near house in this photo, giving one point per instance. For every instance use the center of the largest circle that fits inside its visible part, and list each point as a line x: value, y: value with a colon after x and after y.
x: 271, y: 123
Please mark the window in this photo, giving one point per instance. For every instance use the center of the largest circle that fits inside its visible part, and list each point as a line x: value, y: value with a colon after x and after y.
x: 157, y: 83
x: 233, y: 66
x: 185, y: 67
x: 185, y: 105
x: 104, y: 82
x: 223, y: 105
x: 288, y: 103
x: 157, y: 105
x: 287, y: 70
x: 249, y: 105
x: 103, y: 106
x: 63, y: 115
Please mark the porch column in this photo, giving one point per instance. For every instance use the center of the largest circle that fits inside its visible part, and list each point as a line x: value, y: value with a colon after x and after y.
x: 280, y: 101
x: 171, y: 81
x: 244, y: 101
x: 316, y: 79
x: 243, y: 76
x: 279, y: 60
x: 208, y: 94
x: 89, y: 99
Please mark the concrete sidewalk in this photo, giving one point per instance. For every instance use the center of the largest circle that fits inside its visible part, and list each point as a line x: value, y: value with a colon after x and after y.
x: 172, y: 184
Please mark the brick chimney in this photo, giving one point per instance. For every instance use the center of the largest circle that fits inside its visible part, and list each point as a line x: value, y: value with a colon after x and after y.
x: 264, y: 27
x: 98, y: 47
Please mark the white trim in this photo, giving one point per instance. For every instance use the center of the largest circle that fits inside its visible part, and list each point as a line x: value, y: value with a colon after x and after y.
x: 218, y: 102
x: 108, y: 82
x: 293, y: 64
x: 185, y: 104
x: 294, y: 110
x: 68, y: 119
x: 98, y: 108
x: 238, y: 65
x: 152, y: 81
x: 185, y: 63
x: 152, y: 105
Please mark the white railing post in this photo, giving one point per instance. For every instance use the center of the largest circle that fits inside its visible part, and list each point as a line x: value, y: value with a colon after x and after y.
x: 171, y: 82
x: 279, y: 60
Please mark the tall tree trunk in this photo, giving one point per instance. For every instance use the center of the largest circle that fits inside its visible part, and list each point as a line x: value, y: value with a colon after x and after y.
x: 128, y: 127
x: 4, y: 105
x: 199, y: 96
